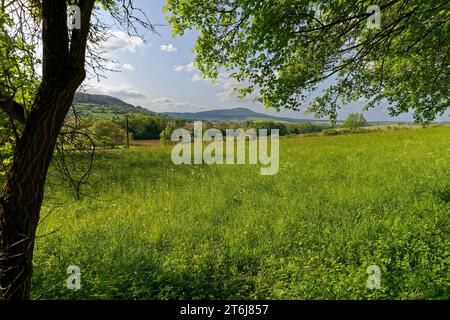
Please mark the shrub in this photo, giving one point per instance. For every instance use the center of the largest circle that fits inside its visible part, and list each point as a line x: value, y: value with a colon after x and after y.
x: 108, y: 134
x: 335, y: 132
x: 146, y: 127
x: 305, y: 128
x: 355, y: 120
x: 166, y: 135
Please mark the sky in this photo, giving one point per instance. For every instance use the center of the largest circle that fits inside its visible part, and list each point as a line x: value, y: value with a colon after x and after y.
x: 158, y: 74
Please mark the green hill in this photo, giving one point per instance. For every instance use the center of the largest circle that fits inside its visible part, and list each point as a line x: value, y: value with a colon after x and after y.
x: 236, y: 114
x: 103, y: 106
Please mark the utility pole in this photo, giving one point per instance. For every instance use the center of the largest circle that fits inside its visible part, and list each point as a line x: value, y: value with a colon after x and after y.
x: 127, y: 131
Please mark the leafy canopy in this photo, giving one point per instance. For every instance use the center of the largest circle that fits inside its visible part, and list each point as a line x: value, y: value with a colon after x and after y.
x: 285, y: 49
x: 17, y: 79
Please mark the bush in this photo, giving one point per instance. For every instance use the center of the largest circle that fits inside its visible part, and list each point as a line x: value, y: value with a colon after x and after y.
x: 108, y: 134
x: 305, y: 128
x: 355, y: 120
x: 146, y: 127
x: 270, y: 125
x: 336, y: 132
x: 166, y: 135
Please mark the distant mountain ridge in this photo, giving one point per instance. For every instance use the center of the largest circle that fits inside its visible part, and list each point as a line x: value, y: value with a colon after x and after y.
x: 235, y: 114
x: 118, y: 106
x: 105, y: 100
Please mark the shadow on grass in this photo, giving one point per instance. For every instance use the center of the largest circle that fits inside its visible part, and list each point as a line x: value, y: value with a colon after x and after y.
x: 146, y: 280
x: 134, y: 270
x: 444, y: 194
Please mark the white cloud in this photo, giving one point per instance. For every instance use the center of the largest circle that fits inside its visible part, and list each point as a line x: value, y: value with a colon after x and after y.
x: 112, y: 65
x: 164, y: 104
x: 168, y: 48
x: 119, y: 40
x: 121, y: 91
x: 197, y: 78
x: 116, y: 66
x: 229, y: 94
x: 187, y: 68
x: 227, y: 86
x: 162, y: 100
x: 128, y: 67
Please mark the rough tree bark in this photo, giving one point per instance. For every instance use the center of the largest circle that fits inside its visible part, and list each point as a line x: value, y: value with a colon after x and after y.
x: 22, y: 195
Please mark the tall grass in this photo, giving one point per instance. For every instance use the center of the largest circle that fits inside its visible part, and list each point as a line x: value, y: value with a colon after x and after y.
x: 153, y: 230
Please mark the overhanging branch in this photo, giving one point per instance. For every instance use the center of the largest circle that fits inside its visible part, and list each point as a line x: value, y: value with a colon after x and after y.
x: 12, y: 108
x: 77, y: 54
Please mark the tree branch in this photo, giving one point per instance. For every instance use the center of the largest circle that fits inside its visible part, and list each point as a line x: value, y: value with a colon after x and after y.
x: 12, y: 108
x: 56, y: 42
x: 79, y: 37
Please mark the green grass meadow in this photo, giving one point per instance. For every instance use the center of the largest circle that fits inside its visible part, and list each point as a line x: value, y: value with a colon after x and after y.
x: 152, y: 230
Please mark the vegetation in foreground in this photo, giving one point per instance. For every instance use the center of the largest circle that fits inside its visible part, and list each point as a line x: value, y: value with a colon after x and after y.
x: 153, y: 230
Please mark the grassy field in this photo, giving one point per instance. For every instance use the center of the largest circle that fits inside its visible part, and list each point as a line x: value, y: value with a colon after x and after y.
x: 153, y: 230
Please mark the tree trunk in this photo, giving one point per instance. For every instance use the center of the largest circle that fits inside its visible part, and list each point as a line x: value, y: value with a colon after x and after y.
x: 21, y: 198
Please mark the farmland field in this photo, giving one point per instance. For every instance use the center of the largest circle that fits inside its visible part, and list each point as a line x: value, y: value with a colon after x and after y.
x: 151, y: 230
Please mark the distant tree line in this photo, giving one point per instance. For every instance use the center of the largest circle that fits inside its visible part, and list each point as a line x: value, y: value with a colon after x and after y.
x: 110, y: 133
x: 143, y: 127
x: 284, y: 129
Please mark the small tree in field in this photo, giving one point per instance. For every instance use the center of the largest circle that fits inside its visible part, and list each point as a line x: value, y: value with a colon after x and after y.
x: 108, y: 134
x: 355, y: 120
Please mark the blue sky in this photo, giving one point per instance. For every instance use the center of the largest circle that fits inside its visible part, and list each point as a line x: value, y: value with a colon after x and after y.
x: 159, y: 76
